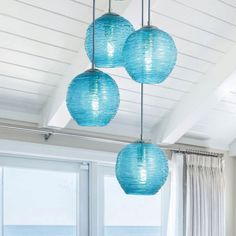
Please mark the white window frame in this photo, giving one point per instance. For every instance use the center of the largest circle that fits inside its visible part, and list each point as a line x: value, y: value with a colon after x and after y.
x: 81, y: 169
x: 90, y: 187
x: 109, y: 170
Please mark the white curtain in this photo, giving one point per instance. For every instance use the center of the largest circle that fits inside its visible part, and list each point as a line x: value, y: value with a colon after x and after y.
x: 175, y: 219
x: 197, y: 197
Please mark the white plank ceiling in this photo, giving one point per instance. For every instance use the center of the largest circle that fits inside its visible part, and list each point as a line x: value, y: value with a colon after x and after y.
x: 39, y: 40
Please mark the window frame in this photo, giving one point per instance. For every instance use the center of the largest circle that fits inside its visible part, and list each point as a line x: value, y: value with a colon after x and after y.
x: 109, y: 170
x: 81, y: 169
x: 89, y: 187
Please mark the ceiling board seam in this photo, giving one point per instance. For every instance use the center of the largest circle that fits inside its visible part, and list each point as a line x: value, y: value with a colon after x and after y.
x: 31, y: 68
x: 186, y: 81
x: 159, y: 85
x: 35, y: 55
x: 223, y: 110
x: 205, y: 13
x: 150, y: 95
x: 32, y: 107
x: 41, y: 26
x: 26, y: 92
x: 138, y: 114
x: 228, y: 4
x: 52, y: 12
x: 146, y: 104
x: 190, y: 69
x: 38, y: 41
x: 86, y: 5
x: 195, y: 27
x: 226, y: 101
x: 173, y: 89
x: 199, y: 44
x: 28, y: 81
x: 197, y: 58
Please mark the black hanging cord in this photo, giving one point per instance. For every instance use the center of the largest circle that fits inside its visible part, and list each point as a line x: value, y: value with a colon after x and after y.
x: 109, y: 7
x: 93, y: 58
x: 149, y: 12
x: 141, y: 135
x: 142, y: 20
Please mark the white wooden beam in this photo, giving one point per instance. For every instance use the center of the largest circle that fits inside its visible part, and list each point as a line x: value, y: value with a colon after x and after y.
x: 212, y: 88
x: 6, y: 114
x: 55, y: 113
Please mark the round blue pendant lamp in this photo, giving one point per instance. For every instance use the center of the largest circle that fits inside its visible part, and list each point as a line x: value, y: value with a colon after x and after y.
x: 112, y: 30
x: 93, y: 96
x: 141, y: 167
x: 150, y: 54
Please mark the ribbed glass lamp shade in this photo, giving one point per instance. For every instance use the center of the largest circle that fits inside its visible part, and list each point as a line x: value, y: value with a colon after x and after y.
x: 150, y: 55
x: 141, y: 168
x: 93, y: 98
x: 111, y: 32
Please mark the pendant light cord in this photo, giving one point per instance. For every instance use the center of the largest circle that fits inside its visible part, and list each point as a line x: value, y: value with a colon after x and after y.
x: 109, y: 7
x: 149, y: 12
x: 93, y: 58
x: 141, y: 136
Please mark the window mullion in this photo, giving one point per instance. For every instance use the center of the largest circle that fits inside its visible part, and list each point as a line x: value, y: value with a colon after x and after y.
x: 83, y: 201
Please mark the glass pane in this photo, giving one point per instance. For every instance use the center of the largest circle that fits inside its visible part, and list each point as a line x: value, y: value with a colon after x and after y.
x: 128, y: 215
x: 39, y: 203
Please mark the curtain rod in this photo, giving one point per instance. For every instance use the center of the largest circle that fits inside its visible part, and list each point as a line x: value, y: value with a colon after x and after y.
x: 48, y: 132
x: 198, y: 152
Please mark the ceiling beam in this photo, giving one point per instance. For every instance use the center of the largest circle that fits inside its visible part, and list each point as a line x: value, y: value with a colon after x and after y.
x: 211, y: 89
x: 55, y: 113
x: 22, y: 116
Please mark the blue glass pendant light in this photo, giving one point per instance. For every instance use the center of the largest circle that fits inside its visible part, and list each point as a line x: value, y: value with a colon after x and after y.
x: 150, y: 54
x: 93, y: 96
x: 112, y: 31
x: 141, y: 167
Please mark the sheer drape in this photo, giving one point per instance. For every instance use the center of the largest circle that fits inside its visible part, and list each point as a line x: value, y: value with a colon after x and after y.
x: 176, y: 209
x: 204, y: 196
x: 197, y: 196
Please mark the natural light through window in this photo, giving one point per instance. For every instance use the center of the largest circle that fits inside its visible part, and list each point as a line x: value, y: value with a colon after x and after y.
x: 39, y: 202
x: 128, y: 215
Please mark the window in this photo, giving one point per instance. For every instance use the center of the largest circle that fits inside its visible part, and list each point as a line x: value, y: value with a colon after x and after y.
x: 50, y: 198
x: 39, y: 202
x: 129, y: 215
x: 43, y: 198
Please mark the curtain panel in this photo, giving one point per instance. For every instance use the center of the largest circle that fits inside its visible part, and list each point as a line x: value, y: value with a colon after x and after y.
x: 197, y: 196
